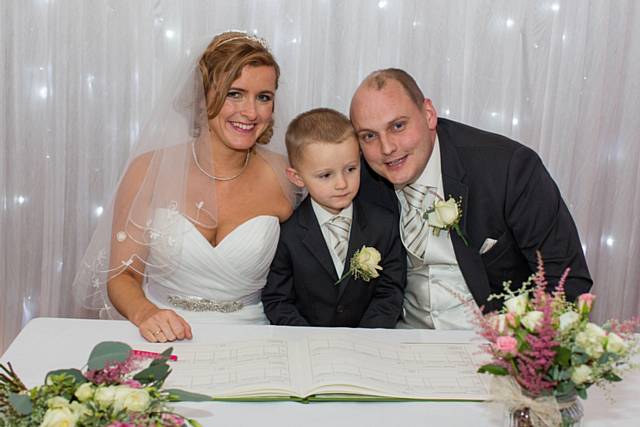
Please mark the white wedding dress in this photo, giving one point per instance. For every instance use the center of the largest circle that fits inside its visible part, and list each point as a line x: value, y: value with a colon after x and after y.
x: 228, y: 277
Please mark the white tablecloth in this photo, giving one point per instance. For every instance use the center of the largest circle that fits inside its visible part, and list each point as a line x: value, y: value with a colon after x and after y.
x: 50, y: 343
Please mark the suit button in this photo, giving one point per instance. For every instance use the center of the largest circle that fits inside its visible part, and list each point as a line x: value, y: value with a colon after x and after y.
x: 340, y: 309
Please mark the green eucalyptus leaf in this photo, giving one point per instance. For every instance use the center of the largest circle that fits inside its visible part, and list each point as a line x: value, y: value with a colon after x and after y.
x: 610, y: 376
x: 152, y: 374
x: 177, y: 395
x: 564, y: 388
x: 164, y: 356
x: 582, y: 392
x: 563, y: 356
x: 108, y: 352
x: 21, y: 403
x: 554, y: 372
x: 608, y: 357
x: 564, y: 375
x: 76, y: 374
x: 579, y: 358
x: 493, y: 369
x: 193, y: 422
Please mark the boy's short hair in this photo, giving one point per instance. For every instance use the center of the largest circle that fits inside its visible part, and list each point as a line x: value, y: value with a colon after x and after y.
x: 320, y: 125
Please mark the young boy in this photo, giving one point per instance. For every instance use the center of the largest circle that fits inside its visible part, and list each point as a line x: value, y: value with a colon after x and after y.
x: 318, y: 241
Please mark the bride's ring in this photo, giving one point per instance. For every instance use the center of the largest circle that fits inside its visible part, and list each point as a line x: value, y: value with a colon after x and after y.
x: 157, y: 332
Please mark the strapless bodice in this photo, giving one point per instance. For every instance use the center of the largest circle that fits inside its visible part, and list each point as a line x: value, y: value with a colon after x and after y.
x: 234, y: 270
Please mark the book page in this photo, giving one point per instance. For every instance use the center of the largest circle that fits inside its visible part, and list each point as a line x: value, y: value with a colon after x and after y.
x: 328, y: 364
x: 422, y: 371
x: 245, y: 368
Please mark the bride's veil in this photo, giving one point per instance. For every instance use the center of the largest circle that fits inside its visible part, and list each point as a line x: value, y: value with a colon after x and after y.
x: 165, y: 178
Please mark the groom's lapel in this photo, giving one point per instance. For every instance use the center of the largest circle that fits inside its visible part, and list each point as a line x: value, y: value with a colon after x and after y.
x: 453, y: 174
x: 314, y: 240
x: 356, y: 241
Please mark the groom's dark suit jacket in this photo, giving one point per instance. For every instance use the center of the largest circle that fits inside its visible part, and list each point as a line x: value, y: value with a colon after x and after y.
x: 301, y: 288
x: 507, y: 195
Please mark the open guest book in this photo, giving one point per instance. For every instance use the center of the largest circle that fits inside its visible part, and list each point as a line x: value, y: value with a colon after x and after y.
x: 329, y: 368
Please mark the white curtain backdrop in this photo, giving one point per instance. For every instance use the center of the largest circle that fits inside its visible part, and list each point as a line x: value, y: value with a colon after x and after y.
x: 78, y: 78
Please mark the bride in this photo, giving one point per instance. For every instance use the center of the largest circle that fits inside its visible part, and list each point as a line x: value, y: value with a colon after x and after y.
x: 194, y: 223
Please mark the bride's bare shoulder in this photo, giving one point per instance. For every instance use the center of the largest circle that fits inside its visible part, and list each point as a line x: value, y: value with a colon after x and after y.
x: 273, y: 175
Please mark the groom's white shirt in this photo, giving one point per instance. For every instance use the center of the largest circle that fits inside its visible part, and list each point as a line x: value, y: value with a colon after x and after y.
x: 429, y: 300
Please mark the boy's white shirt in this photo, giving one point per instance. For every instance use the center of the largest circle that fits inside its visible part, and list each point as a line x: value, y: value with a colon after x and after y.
x: 324, y: 216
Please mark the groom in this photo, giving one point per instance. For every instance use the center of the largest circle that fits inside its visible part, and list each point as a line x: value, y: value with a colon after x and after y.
x: 509, y: 205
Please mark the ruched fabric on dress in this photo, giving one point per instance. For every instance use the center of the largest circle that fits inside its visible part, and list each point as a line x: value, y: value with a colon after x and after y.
x: 233, y: 270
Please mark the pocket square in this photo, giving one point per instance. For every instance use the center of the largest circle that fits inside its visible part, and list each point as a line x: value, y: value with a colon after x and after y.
x: 488, y: 244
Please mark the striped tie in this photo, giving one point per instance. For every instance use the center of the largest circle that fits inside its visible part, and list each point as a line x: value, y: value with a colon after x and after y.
x: 414, y: 227
x: 339, y: 229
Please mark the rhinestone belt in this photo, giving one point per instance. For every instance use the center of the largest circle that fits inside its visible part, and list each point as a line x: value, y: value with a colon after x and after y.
x: 191, y: 303
x: 196, y: 303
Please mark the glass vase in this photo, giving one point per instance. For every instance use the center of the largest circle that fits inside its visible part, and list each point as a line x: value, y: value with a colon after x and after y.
x: 570, y: 409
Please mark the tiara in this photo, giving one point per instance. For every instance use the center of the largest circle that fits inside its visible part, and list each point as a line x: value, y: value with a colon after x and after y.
x: 246, y: 36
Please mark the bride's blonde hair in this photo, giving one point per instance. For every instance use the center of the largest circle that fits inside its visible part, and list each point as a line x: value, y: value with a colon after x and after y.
x: 222, y: 63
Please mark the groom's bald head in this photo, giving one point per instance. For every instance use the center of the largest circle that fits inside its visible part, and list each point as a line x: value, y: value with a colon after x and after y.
x: 379, y: 79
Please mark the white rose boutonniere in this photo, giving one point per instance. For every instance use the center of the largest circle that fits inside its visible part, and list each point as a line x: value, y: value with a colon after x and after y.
x: 364, y: 264
x: 445, y: 215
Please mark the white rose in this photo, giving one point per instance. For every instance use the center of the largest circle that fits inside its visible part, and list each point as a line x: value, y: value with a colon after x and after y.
x: 59, y: 417
x: 594, y: 330
x: 104, y: 396
x: 568, y: 319
x: 592, y: 340
x: 131, y: 399
x: 84, y: 392
x: 517, y: 305
x: 616, y: 345
x: 581, y: 374
x: 57, y: 402
x: 445, y: 213
x: 367, y: 260
x: 532, y: 320
x: 499, y: 323
x: 80, y: 410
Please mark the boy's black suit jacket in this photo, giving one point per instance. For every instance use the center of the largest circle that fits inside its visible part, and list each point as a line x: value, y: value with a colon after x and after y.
x: 301, y: 288
x: 507, y: 195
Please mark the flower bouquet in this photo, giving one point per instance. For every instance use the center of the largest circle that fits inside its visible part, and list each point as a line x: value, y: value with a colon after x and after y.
x: 115, y: 390
x: 545, y: 352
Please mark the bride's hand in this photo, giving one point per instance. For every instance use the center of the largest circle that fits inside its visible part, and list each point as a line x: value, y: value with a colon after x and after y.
x: 164, y: 325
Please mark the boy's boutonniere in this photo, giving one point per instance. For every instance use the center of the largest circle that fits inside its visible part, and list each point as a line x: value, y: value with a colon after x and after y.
x: 445, y: 215
x: 364, y: 264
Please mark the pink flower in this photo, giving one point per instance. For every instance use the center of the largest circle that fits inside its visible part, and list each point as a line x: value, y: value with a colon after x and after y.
x: 585, y: 302
x: 132, y: 383
x: 172, y: 419
x: 507, y: 345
